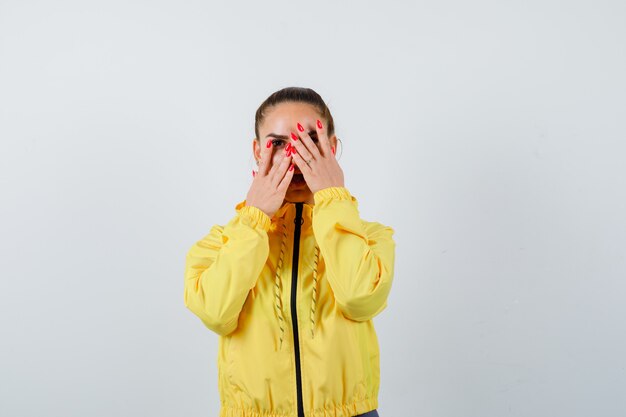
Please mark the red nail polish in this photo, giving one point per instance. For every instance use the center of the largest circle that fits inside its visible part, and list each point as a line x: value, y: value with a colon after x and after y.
x: 291, y: 167
x: 332, y: 148
x: 300, y: 128
x: 269, y: 143
x: 293, y: 149
x: 319, y: 124
x: 253, y: 174
x: 293, y: 136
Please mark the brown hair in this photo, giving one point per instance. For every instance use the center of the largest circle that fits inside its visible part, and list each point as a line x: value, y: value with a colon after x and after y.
x: 295, y: 94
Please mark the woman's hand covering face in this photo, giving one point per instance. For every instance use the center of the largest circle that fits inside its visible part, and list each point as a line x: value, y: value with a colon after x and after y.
x: 270, y: 184
x: 316, y: 161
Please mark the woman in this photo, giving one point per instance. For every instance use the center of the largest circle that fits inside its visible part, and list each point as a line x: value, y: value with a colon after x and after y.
x: 291, y: 283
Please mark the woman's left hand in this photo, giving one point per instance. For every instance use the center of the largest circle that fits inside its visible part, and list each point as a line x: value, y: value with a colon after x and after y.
x: 322, y: 169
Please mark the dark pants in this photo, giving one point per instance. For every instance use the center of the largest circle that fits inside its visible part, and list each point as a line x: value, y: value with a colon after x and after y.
x: 372, y: 413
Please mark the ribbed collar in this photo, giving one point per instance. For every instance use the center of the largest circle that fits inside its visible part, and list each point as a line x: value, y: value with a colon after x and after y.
x: 288, y: 209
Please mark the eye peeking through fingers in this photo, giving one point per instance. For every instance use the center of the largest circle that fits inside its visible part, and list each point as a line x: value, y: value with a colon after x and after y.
x: 278, y: 143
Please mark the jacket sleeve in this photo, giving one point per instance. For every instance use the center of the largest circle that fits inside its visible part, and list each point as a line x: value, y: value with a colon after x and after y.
x: 222, y: 267
x: 359, y: 255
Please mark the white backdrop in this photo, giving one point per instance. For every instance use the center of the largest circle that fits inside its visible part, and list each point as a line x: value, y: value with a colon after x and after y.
x: 489, y: 134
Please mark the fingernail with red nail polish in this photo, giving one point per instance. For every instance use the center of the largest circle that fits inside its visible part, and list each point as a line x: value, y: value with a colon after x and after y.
x: 253, y: 173
x: 300, y: 128
x: 293, y: 136
x: 332, y: 148
x: 291, y: 167
x: 269, y: 143
x: 319, y: 124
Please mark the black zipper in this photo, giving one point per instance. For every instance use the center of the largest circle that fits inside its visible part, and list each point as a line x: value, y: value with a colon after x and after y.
x: 294, y: 287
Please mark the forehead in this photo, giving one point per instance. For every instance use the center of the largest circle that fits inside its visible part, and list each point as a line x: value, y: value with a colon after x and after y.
x: 284, y: 117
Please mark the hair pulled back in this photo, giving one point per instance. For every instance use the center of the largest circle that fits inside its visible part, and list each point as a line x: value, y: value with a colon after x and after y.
x: 298, y: 95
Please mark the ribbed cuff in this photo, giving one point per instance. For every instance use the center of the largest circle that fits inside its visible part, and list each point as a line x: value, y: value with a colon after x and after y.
x: 255, y: 217
x: 337, y: 193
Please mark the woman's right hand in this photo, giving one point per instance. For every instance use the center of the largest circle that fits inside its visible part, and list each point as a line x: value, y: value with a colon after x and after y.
x: 270, y: 184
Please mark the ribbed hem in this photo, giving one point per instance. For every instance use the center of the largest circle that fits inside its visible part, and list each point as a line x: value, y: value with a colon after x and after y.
x: 356, y: 407
x: 255, y: 217
x: 338, y: 193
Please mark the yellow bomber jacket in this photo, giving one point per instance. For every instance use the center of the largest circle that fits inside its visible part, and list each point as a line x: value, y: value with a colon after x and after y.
x: 292, y: 299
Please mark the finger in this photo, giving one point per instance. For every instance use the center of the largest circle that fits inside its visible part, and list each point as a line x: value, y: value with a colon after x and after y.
x: 266, y: 157
x: 280, y: 173
x: 300, y: 147
x: 322, y: 136
x: 280, y: 169
x: 305, y: 136
x: 284, y: 183
x: 275, y: 165
x: 304, y: 167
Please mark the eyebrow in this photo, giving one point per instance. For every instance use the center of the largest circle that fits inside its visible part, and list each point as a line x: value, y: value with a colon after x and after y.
x: 277, y: 136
